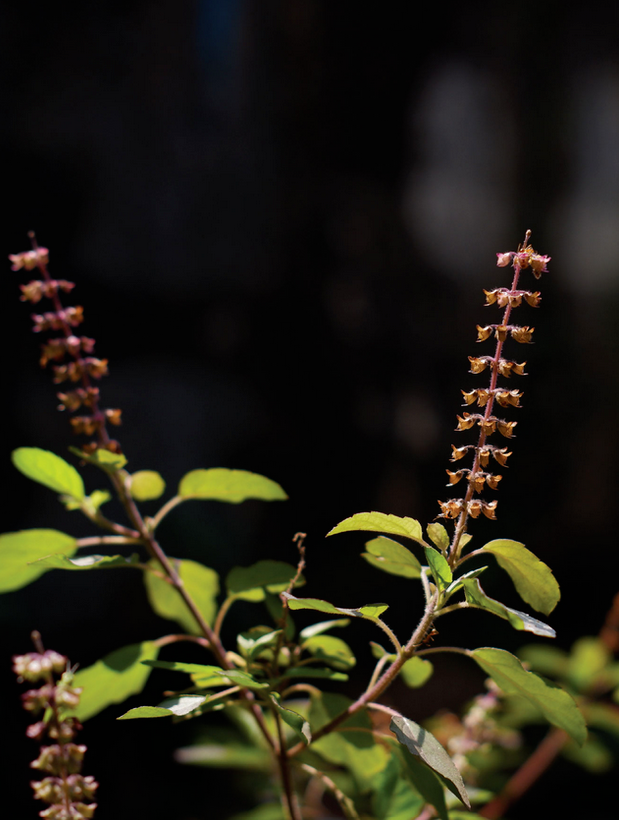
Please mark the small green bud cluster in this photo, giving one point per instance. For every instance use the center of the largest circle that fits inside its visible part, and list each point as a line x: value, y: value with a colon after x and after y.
x: 66, y: 791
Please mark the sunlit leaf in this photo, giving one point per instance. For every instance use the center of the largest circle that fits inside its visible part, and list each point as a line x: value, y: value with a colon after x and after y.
x: 50, y: 470
x: 457, y: 583
x: 232, y: 486
x: 416, y: 672
x: 331, y: 650
x: 88, y: 561
x: 202, y: 584
x: 203, y: 673
x: 293, y: 719
x: 91, y: 502
x: 388, y: 555
x: 438, y: 535
x: 113, y: 678
x: 145, y: 712
x: 369, y: 611
x: 274, y: 576
x: 421, y: 743
x: 322, y: 626
x: 177, y: 706
x: 106, y: 460
x: 533, y: 579
x: 476, y: 597
x: 146, y: 485
x: 557, y: 706
x: 381, y: 522
x: 256, y: 640
x: 441, y: 571
x: 21, y: 551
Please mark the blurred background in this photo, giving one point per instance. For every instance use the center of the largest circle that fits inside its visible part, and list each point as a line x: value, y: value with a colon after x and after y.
x: 280, y: 217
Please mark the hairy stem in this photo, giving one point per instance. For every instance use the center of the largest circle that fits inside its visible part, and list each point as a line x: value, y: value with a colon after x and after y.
x: 384, y: 681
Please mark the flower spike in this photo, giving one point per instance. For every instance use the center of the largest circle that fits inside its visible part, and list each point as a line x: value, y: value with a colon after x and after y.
x: 477, y: 478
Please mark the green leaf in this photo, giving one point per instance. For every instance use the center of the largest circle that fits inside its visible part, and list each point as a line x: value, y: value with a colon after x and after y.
x: 388, y: 555
x: 232, y: 486
x: 293, y: 719
x: 557, y: 706
x: 394, y: 797
x: 320, y: 627
x: 458, y: 582
x: 544, y: 659
x: 369, y: 611
x: 533, y: 579
x: 88, y: 561
x: 310, y: 672
x: 588, y: 659
x: 90, y: 502
x: 202, y: 673
x: 226, y: 756
x: 416, y: 672
x: 177, y: 706
x: 441, y: 571
x: 146, y: 485
x: 114, y: 678
x: 265, y: 811
x: 256, y: 640
x: 381, y: 522
x: 476, y: 597
x: 202, y: 584
x: 593, y: 756
x: 21, y: 551
x: 424, y: 745
x: 428, y: 784
x: 50, y: 470
x: 356, y: 749
x: 438, y: 535
x: 331, y: 650
x: 145, y: 712
x: 275, y: 576
x: 103, y: 459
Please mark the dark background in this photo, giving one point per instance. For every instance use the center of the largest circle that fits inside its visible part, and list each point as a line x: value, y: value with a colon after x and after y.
x: 280, y: 217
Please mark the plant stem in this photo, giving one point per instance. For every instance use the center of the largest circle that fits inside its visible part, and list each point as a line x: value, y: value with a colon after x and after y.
x: 385, y: 680
x: 290, y: 798
x: 527, y: 774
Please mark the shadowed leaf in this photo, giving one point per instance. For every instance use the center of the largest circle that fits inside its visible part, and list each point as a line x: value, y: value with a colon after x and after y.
x: 424, y: 745
x: 113, y: 678
x: 476, y: 597
x: 557, y: 706
x: 202, y: 584
x: 20, y: 554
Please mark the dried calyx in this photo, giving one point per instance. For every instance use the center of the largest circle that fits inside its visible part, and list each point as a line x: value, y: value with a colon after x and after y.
x: 70, y: 355
x: 477, y: 477
x: 66, y: 791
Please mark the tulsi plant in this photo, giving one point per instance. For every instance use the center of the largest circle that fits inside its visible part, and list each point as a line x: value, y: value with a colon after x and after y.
x: 319, y: 752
